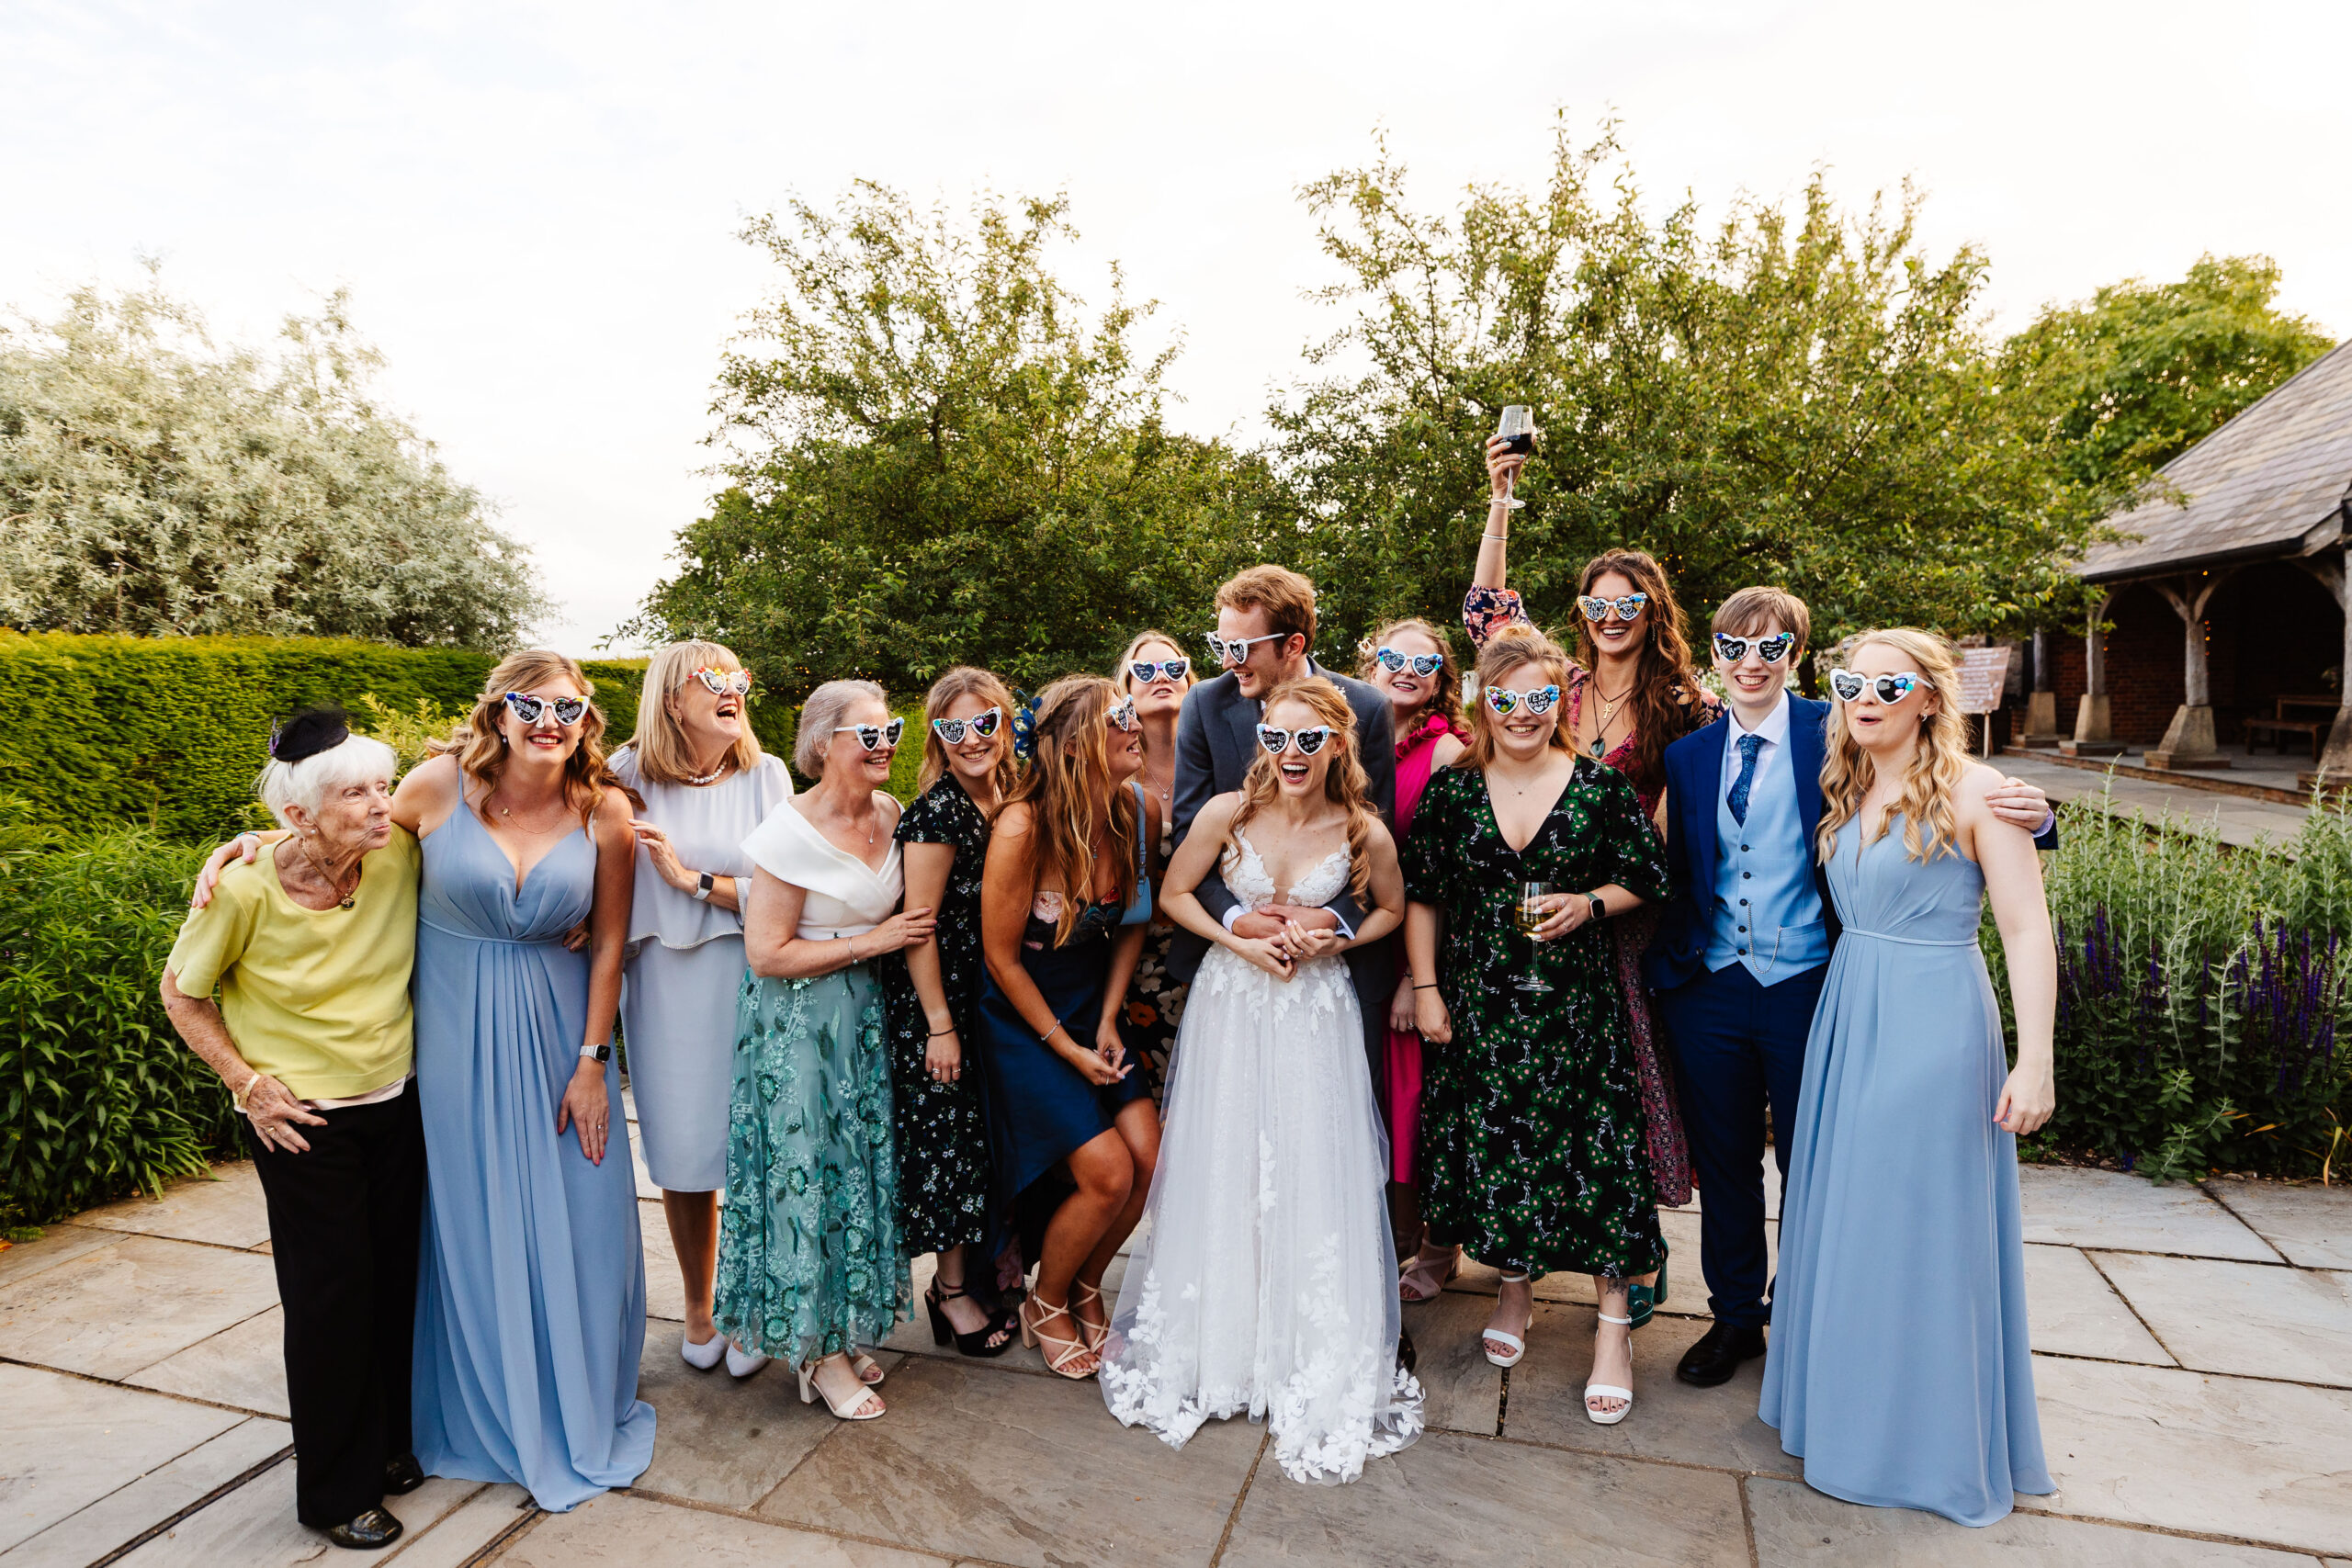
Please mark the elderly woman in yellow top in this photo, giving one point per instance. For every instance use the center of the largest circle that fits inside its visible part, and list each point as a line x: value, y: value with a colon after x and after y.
x: 309, y: 947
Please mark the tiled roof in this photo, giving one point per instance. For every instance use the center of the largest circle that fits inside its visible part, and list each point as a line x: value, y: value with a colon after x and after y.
x: 2272, y: 481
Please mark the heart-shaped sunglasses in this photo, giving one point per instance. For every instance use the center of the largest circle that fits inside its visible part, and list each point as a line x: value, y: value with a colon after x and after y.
x: 1502, y: 701
x: 1422, y: 664
x: 569, y: 711
x: 983, y: 724
x: 1146, y: 671
x: 874, y: 737
x: 1890, y: 689
x: 719, y: 682
x: 1628, y: 606
x: 1308, y: 741
x: 1771, y: 650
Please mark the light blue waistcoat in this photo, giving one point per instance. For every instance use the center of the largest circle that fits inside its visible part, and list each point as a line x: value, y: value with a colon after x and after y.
x: 1768, y: 911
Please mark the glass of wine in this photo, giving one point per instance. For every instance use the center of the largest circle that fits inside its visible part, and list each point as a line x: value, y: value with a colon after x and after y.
x: 1532, y: 914
x: 1518, y: 429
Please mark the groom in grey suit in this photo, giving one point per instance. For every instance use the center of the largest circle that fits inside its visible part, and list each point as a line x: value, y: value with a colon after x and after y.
x: 1265, y: 623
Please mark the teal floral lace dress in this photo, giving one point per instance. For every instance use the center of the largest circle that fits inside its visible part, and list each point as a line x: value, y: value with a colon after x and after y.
x: 1534, y: 1143
x: 808, y: 1255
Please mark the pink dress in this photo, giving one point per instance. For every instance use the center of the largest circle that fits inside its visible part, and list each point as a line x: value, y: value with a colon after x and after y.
x: 1484, y: 613
x: 1401, y: 1095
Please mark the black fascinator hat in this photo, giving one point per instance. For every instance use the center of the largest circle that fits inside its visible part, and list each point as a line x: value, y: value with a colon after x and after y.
x: 308, y: 733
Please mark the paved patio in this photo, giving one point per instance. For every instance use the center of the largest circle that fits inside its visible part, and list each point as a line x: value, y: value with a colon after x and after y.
x: 2193, y: 1348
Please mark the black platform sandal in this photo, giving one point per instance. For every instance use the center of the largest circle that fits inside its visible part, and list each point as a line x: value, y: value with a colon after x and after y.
x: 991, y: 1338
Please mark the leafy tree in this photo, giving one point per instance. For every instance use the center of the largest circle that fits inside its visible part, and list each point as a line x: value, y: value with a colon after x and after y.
x: 150, y: 483
x: 934, y: 454
x: 2118, y: 385
x: 1804, y: 398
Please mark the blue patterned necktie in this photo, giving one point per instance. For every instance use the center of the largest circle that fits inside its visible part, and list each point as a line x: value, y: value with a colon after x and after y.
x: 1748, y: 746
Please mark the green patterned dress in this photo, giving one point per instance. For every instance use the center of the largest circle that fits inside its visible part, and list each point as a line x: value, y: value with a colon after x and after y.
x: 1534, y: 1143
x: 808, y: 1257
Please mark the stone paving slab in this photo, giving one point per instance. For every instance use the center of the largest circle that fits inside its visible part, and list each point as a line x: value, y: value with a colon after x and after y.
x: 2257, y: 1323
x: 129, y: 1511
x: 2074, y: 1206
x: 454, y: 1540
x: 2309, y: 1224
x: 228, y: 1210
x: 55, y: 1245
x: 1670, y: 1419
x: 2189, y: 1450
x: 2075, y: 1311
x: 68, y: 1442
x: 635, y: 1533
x: 1799, y: 1528
x: 1687, y: 1287
x: 1466, y: 1504
x: 243, y: 1366
x: 116, y: 1310
x: 1028, y: 1470
x: 1462, y: 1390
x: 727, y: 1441
x: 254, y: 1527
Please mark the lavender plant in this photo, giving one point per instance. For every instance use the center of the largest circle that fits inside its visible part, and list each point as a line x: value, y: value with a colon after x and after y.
x: 2201, y: 990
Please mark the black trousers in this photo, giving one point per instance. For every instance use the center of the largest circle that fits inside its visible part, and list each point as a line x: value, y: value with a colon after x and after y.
x: 344, y: 1221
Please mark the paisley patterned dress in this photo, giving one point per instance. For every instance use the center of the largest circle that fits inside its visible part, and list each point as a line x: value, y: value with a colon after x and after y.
x: 1485, y: 612
x: 943, y: 1134
x: 1534, y: 1151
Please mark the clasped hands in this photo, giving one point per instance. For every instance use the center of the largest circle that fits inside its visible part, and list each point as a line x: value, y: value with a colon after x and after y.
x: 1277, y: 937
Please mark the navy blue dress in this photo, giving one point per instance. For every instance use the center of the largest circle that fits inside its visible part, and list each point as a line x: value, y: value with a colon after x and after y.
x: 1041, y: 1107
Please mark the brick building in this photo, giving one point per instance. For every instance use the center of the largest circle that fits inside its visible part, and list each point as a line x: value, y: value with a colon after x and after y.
x: 2228, y: 592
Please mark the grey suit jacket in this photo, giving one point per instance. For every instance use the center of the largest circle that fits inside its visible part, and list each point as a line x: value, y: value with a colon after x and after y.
x: 1216, y: 739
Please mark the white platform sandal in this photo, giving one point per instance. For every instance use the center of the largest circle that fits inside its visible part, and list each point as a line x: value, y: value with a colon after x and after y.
x: 1518, y: 1345
x: 1608, y: 1391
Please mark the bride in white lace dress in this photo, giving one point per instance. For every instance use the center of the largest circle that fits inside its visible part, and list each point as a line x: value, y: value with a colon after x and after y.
x: 1266, y: 1283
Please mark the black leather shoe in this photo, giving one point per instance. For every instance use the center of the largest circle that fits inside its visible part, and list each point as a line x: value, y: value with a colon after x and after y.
x: 1718, y: 1354
x: 402, y: 1476
x: 1406, y: 1356
x: 371, y: 1531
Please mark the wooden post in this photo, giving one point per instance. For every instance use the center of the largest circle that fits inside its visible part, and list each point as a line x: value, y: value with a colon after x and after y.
x: 2336, y: 760
x: 2041, y: 704
x: 2189, y: 742
x: 2094, y: 722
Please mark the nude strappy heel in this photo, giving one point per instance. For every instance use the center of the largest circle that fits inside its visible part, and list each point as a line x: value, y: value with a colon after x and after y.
x: 1057, y: 1360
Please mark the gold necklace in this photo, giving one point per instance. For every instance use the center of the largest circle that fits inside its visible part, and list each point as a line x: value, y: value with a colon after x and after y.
x: 344, y: 900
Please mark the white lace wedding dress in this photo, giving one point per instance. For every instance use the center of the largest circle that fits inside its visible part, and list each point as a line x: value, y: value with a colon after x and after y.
x: 1267, y: 1281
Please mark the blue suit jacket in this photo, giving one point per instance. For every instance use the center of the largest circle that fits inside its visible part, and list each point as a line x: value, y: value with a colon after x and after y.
x: 1694, y: 784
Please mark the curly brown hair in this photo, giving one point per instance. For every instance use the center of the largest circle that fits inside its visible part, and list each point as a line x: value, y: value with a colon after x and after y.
x: 1066, y: 788
x: 480, y: 747
x: 1445, y: 696
x: 1664, y: 683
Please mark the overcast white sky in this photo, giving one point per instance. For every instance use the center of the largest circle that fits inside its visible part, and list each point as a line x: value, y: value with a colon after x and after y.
x: 535, y: 205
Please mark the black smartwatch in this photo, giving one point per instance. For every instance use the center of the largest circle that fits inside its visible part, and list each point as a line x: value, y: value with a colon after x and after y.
x: 1600, y: 910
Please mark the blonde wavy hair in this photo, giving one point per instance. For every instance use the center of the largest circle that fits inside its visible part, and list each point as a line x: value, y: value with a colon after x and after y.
x: 662, y: 755
x: 1513, y: 648
x: 1931, y: 783
x: 1345, y: 784
x: 481, y: 748
x: 964, y: 681
x: 1066, y: 788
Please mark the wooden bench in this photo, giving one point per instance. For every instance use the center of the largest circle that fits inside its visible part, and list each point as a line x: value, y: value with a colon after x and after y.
x: 2280, y: 729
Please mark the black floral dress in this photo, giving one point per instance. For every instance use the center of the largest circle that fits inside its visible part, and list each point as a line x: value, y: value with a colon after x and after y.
x: 942, y: 1129
x: 1533, y: 1142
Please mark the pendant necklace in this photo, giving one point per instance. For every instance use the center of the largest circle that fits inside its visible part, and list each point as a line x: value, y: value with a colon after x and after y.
x: 1608, y: 706
x: 343, y: 901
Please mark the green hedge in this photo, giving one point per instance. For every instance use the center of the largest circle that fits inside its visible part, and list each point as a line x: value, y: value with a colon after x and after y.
x: 98, y: 1099
x: 170, y: 732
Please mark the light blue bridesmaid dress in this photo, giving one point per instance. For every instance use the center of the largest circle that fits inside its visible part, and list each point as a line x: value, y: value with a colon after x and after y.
x: 1899, y: 1367
x: 530, y: 1310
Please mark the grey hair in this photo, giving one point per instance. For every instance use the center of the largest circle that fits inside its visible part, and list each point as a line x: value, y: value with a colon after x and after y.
x: 820, y: 713
x: 360, y: 759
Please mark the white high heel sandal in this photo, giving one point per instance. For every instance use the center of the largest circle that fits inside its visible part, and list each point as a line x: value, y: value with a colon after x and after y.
x: 1518, y: 1345
x: 1608, y: 1391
